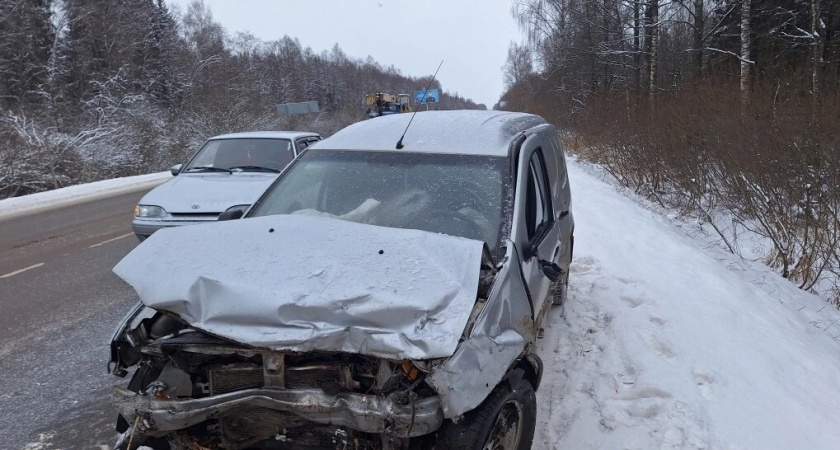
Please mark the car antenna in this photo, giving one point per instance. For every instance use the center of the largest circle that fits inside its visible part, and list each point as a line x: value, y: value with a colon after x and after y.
x: 399, y: 143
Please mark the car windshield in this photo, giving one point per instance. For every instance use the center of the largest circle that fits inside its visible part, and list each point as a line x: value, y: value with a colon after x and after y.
x: 459, y: 195
x: 246, y: 154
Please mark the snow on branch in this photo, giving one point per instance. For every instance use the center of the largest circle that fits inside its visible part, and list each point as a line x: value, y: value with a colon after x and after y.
x: 712, y: 49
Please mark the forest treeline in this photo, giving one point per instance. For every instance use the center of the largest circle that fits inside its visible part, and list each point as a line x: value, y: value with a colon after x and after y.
x: 93, y: 89
x: 728, y: 110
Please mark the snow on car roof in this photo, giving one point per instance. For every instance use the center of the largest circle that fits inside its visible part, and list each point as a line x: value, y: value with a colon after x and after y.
x: 266, y: 135
x: 459, y: 132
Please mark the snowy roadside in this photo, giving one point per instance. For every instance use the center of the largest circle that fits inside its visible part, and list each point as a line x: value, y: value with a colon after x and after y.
x: 753, y: 249
x: 669, y: 343
x: 78, y: 194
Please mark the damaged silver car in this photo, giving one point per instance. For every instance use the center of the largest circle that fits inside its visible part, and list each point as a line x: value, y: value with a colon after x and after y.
x: 374, y: 297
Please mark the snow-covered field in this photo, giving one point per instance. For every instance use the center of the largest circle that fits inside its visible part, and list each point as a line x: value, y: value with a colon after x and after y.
x: 79, y: 193
x: 670, y: 344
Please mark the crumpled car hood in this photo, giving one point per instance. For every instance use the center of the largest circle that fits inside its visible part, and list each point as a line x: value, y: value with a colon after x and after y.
x: 210, y: 192
x: 300, y: 283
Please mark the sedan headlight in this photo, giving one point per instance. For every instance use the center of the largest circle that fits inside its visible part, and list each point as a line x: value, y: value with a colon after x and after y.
x: 149, y: 211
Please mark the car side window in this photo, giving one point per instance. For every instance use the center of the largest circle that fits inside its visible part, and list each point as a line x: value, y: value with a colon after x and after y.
x: 538, y: 206
x: 302, y: 144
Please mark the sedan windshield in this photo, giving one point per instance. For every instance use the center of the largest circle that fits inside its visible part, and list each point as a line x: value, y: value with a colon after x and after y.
x: 248, y: 155
x: 459, y: 195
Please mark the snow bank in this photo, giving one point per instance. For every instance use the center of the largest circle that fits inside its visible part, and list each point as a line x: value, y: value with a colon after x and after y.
x: 79, y: 193
x: 669, y: 344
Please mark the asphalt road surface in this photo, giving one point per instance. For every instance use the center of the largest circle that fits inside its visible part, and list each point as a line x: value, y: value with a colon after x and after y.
x: 59, y: 304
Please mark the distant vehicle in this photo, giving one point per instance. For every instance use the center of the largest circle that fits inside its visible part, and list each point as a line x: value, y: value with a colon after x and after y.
x: 382, y: 104
x: 229, y: 172
x: 372, y: 298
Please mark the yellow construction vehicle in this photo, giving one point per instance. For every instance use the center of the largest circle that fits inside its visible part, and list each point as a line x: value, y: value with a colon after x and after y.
x: 381, y: 104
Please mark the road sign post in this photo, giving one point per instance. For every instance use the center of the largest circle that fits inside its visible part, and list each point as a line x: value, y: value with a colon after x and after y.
x: 291, y: 109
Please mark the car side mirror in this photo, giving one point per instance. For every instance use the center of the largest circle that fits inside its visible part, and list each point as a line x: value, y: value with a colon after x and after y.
x: 176, y: 169
x: 231, y: 214
x: 551, y: 270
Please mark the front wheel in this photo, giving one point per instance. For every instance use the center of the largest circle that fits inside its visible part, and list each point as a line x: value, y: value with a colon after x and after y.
x: 505, y: 421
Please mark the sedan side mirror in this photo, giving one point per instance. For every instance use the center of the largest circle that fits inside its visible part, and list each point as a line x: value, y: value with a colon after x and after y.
x: 176, y: 169
x: 231, y: 214
x: 551, y: 270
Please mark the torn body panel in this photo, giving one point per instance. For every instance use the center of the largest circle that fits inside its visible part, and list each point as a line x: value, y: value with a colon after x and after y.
x: 497, y: 339
x: 320, y: 285
x: 123, y: 341
x: 366, y: 413
x: 203, y: 389
x: 389, y: 398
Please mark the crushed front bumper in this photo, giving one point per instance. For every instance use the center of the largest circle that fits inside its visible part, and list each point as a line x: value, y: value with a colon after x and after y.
x: 366, y: 413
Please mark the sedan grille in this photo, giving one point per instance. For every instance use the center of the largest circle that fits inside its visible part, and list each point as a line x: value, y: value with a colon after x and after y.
x: 194, y: 217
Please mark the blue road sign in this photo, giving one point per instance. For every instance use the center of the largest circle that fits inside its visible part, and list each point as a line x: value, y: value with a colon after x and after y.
x: 431, y: 96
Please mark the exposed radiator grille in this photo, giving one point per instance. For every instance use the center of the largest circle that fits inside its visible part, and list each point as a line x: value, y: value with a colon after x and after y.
x: 231, y: 379
x: 312, y: 376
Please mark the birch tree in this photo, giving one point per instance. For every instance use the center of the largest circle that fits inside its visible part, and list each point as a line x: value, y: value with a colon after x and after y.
x: 746, y: 42
x: 816, y: 58
x: 652, y: 40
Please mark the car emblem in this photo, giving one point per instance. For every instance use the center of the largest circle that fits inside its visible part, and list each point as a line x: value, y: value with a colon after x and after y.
x: 195, y: 207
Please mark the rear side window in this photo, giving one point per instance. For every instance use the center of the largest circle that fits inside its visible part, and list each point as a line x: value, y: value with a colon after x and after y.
x: 537, y: 206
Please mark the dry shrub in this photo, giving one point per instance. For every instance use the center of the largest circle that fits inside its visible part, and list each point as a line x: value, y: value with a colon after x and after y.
x: 770, y: 167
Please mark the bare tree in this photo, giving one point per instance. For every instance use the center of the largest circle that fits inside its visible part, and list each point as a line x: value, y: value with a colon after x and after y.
x: 745, y: 51
x: 699, y: 30
x: 637, y: 46
x: 652, y: 41
x: 816, y: 59
x: 519, y: 65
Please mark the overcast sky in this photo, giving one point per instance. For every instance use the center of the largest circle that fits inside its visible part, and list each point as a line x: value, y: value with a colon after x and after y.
x: 471, y: 36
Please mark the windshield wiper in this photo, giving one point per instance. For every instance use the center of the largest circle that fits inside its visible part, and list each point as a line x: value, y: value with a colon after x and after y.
x: 255, y: 169
x: 208, y: 169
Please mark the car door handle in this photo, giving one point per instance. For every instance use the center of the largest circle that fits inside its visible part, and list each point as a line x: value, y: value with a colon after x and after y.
x: 562, y: 214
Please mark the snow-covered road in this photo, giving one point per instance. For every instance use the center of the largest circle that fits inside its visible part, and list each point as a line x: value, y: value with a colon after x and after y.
x: 666, y: 344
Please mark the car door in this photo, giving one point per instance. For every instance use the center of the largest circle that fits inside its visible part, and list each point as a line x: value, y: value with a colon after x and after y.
x: 535, y: 231
x: 561, y: 196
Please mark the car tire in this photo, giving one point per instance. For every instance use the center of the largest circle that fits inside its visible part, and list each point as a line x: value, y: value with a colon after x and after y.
x: 561, y: 291
x: 491, y: 424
